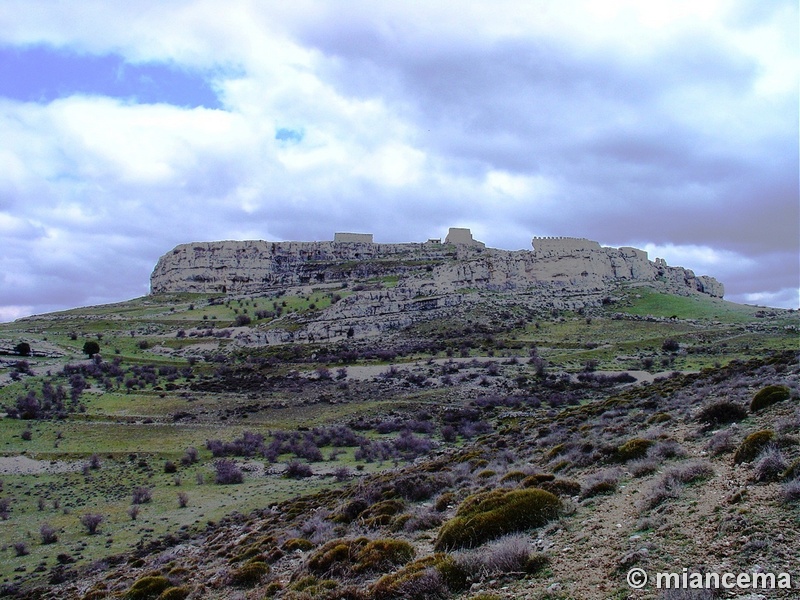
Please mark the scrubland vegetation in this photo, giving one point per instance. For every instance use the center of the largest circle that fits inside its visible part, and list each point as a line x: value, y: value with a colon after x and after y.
x: 506, y: 449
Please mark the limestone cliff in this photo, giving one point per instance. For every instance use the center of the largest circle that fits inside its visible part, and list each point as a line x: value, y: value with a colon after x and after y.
x: 427, y: 268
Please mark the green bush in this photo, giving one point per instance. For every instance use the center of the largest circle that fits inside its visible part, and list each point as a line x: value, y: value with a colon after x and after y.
x: 792, y: 471
x: 489, y: 515
x: 513, y: 476
x: 174, y: 593
x: 632, y: 449
x: 359, y: 555
x: 444, y: 500
x: 401, y: 584
x: 381, y: 513
x: 537, y: 480
x: 562, y: 487
x: 769, y: 396
x: 661, y: 417
x: 148, y: 587
x: 752, y: 446
x: 293, y: 544
x: 249, y: 574
x: 335, y: 556
x: 382, y: 555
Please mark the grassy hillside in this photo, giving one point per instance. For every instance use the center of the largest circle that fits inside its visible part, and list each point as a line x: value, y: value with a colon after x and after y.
x: 180, y: 415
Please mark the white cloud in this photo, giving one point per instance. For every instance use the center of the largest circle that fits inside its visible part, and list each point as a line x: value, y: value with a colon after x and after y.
x: 785, y: 298
x: 665, y: 122
x: 702, y: 258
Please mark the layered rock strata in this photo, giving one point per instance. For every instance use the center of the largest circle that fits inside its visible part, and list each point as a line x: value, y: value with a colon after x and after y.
x: 429, y: 268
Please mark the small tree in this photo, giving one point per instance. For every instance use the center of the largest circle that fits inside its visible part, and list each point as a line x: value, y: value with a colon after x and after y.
x: 23, y: 349
x: 90, y: 348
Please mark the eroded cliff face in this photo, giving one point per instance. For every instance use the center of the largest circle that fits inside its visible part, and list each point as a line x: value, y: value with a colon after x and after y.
x: 420, y: 268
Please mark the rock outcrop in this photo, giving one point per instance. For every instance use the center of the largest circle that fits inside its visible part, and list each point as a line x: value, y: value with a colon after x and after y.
x: 429, y: 268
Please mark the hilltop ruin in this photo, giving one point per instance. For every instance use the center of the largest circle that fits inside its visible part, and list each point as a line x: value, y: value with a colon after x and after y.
x: 424, y: 268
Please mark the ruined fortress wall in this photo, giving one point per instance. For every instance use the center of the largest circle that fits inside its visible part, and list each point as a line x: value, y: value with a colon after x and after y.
x: 462, y: 236
x: 545, y: 247
x: 353, y: 238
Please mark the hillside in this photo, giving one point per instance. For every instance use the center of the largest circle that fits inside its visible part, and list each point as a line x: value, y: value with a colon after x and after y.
x: 223, y: 447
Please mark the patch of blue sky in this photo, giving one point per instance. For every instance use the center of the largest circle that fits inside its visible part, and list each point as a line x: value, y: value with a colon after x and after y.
x: 42, y: 74
x: 284, y: 134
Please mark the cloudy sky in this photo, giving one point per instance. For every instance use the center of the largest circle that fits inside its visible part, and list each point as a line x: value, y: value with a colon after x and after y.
x: 129, y: 127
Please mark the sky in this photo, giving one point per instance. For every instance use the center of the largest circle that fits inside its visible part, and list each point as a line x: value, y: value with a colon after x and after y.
x: 127, y: 128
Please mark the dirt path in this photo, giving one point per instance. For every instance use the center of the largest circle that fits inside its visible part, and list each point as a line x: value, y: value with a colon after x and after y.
x: 22, y: 465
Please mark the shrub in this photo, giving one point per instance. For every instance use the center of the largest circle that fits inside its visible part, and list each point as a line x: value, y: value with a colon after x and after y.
x: 23, y: 349
x: 513, y: 476
x: 561, y: 487
x: 419, y: 580
x: 20, y: 549
x: 752, y: 446
x: 297, y: 470
x: 334, y: 557
x: 793, y: 470
x: 141, y: 495
x: 175, y: 593
x: 670, y: 483
x: 507, y: 555
x: 721, y: 442
x: 666, y: 449
x: 227, y: 473
x: 381, y: 513
x: 91, y: 521
x: 242, y: 320
x: 769, y: 396
x: 632, y: 449
x: 495, y: 514
x: 170, y: 467
x: 603, y: 482
x: 643, y: 466
x: 383, y: 555
x: 148, y: 587
x: 791, y: 491
x: 670, y: 345
x: 537, y: 480
x: 359, y: 555
x: 293, y: 544
x: 91, y: 348
x: 48, y: 534
x: 190, y: 457
x: 720, y: 413
x: 770, y: 464
x: 183, y: 499
x: 661, y: 417
x: 249, y: 574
